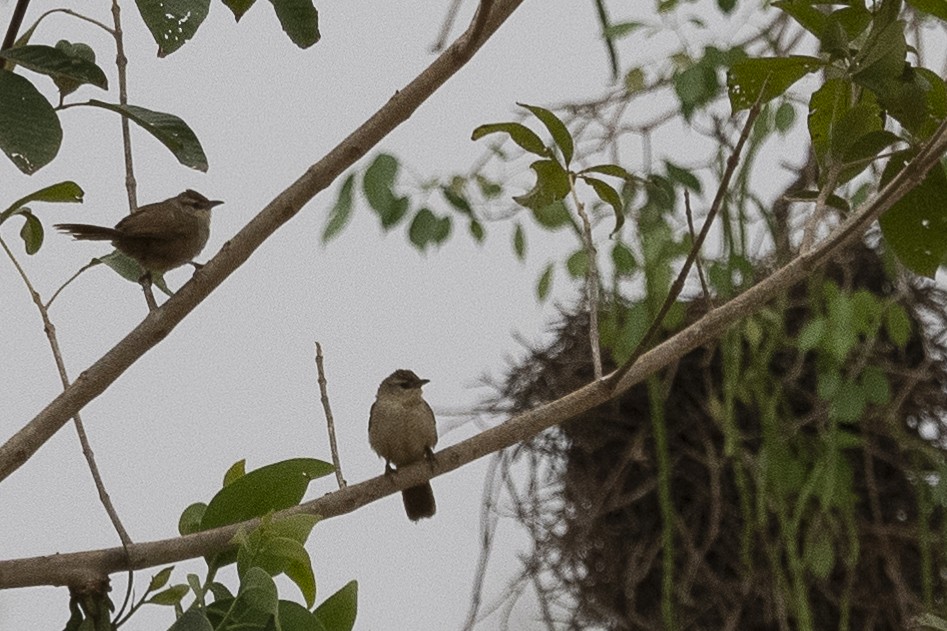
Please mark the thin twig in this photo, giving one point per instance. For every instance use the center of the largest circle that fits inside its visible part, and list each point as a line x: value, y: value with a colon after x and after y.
x: 591, y: 281
x: 16, y: 19
x: 446, y: 26
x: 700, y: 266
x: 480, y: 20
x: 678, y: 285
x: 333, y: 444
x: 53, y: 340
x: 56, y: 293
x: 121, y: 66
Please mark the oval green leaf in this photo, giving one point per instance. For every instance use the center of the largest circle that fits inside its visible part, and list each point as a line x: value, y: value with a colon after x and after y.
x: 170, y: 131
x: 172, y: 22
x: 270, y: 488
x: 764, y: 78
x: 30, y: 133
x: 557, y: 129
x: 522, y: 135
x: 339, y: 610
x: 299, y: 20
x: 58, y: 64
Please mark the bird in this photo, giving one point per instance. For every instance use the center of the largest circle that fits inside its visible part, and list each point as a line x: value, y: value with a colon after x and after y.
x: 402, y: 430
x: 159, y: 236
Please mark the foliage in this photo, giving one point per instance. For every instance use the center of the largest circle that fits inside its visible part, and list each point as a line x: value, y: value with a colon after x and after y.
x: 274, y: 547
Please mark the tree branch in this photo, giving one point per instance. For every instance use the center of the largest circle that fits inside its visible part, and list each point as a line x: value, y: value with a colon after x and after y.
x: 160, y: 322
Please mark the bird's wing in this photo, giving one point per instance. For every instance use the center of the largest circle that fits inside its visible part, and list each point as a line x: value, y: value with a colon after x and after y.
x: 153, y: 225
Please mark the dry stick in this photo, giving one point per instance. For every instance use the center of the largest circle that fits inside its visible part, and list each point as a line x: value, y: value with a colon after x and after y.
x: 591, y: 281
x: 678, y: 285
x: 160, y: 322
x: 693, y: 233
x: 333, y: 445
x: 53, y: 340
x: 63, y: 569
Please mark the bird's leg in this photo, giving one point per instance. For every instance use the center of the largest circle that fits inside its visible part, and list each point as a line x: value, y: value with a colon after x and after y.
x: 430, y: 457
x: 389, y: 470
x: 145, y: 282
x: 197, y: 266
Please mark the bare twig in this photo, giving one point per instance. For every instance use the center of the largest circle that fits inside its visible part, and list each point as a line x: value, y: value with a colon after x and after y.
x: 16, y: 19
x: 121, y: 65
x: 693, y: 233
x: 56, y: 293
x: 53, y: 340
x: 446, y: 26
x: 591, y: 281
x: 324, y: 393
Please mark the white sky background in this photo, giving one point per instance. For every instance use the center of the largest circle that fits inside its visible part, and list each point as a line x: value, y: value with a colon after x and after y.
x: 237, y: 378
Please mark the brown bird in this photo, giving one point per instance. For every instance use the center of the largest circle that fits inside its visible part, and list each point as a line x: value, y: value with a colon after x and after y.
x: 402, y: 430
x: 159, y: 236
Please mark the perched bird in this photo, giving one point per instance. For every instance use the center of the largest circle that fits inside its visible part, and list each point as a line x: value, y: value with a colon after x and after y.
x: 159, y: 236
x: 401, y: 429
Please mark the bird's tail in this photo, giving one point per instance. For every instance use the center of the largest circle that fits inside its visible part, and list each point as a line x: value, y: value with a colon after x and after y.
x: 88, y: 232
x: 419, y: 501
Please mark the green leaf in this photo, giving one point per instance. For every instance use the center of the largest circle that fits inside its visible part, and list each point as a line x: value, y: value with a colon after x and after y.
x: 915, y: 227
x: 342, y: 210
x: 378, y: 186
x: 578, y: 264
x: 457, y: 199
x: 258, y: 591
x: 190, y: 520
x: 338, y: 611
x: 168, y: 129
x: 608, y: 169
x: 519, y: 242
x: 299, y: 20
x: 269, y: 488
x: 160, y: 579
x: 765, y: 78
x: 552, y: 216
x: 882, y: 56
x: 784, y: 117
x: 897, y: 325
x: 827, y: 106
x: 848, y: 404
x: 295, y: 617
x: 522, y: 135
x: 172, y: 22
x: 803, y: 11
x: 875, y: 385
x: 427, y: 228
x: 129, y: 269
x: 58, y: 63
x: 63, y: 192
x: 545, y: 283
x: 477, y: 231
x: 811, y: 335
x: 611, y: 197
x: 682, y: 176
x: 552, y: 184
x: 488, y: 188
x: 298, y: 567
x: 171, y: 596
x: 623, y: 259
x: 30, y: 133
x: 236, y: 471
x: 31, y: 232
x: 696, y: 86
x: 557, y: 129
x: 238, y: 7
x: 634, y: 81
x: 937, y: 8
x: 622, y: 29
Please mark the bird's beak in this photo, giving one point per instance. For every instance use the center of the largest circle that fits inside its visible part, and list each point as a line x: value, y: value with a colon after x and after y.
x: 214, y: 202
x: 421, y: 382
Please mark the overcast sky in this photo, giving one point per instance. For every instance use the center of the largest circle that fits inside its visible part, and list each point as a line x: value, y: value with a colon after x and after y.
x: 237, y: 379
